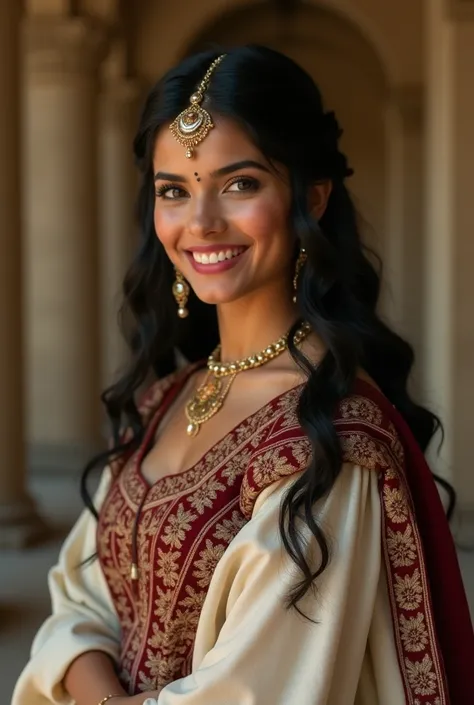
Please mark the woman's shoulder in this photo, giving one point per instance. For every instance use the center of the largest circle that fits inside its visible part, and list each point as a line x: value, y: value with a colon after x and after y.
x: 283, y: 450
x: 365, y: 424
x: 153, y: 396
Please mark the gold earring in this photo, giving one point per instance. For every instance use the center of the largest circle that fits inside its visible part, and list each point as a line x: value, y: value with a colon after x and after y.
x: 181, y: 293
x: 302, y: 257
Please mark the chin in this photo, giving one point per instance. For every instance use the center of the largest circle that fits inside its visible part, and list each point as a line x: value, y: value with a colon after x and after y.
x: 218, y: 298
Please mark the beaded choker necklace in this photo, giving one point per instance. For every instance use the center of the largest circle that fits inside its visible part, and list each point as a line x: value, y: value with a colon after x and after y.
x: 211, y: 394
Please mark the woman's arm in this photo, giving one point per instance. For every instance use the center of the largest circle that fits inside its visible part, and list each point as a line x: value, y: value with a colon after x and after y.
x: 251, y: 650
x: 91, y: 677
x: 83, y: 618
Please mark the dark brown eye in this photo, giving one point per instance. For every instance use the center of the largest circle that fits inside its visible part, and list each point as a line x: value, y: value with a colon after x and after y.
x: 243, y: 183
x: 170, y: 192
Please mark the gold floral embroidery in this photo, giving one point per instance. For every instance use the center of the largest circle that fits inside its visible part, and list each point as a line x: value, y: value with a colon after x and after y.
x: 413, y: 632
x: 408, y: 590
x: 152, y: 663
x: 163, y: 603
x: 209, y: 558
x: 397, y: 448
x: 236, y: 467
x: 269, y: 465
x: 179, y: 524
x: 228, y: 528
x: 289, y: 418
x: 183, y: 629
x: 421, y: 676
x: 395, y: 504
x: 157, y: 638
x: 168, y: 567
x: 401, y: 547
x: 390, y: 474
x: 363, y: 450
x: 374, y: 443
x: 280, y: 454
x: 193, y: 600
x: 361, y: 408
x: 205, y: 495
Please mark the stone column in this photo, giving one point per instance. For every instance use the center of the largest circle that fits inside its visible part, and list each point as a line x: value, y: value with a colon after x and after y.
x: 450, y: 243
x: 404, y: 243
x: 18, y: 520
x: 118, y: 189
x: 62, y: 55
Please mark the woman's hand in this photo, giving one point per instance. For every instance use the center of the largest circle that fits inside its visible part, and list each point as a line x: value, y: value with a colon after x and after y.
x: 92, y: 675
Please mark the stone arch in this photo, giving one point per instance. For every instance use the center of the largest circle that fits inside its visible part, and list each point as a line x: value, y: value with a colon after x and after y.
x: 351, y: 77
x: 160, y: 33
x: 243, y: 18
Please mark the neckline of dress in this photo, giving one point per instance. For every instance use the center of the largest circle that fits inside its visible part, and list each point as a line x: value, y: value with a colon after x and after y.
x: 165, y: 404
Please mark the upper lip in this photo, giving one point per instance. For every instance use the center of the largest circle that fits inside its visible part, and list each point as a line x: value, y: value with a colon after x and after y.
x: 214, y: 248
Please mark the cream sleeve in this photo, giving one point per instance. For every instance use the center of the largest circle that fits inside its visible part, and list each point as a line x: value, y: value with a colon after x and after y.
x: 83, y: 618
x: 251, y: 650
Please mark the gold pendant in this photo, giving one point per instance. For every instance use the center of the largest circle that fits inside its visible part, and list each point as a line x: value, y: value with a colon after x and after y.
x: 192, y: 125
x: 211, y: 394
x: 206, y: 402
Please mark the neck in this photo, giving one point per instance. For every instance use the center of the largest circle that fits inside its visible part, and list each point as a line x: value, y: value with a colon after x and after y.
x: 247, y: 327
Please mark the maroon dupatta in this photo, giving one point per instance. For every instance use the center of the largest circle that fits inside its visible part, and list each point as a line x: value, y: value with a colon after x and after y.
x: 450, y: 611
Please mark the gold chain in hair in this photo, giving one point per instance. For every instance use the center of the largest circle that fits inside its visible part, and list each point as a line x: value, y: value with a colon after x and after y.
x: 193, y: 124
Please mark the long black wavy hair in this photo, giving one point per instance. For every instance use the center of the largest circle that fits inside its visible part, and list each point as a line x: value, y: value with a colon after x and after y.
x: 281, y: 108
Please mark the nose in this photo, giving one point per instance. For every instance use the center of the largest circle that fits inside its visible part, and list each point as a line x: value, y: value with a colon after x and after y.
x: 206, y: 218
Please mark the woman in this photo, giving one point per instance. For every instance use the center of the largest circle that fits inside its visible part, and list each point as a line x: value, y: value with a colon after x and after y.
x: 268, y: 531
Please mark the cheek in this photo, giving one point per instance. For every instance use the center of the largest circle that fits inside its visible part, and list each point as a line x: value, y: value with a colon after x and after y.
x: 167, y: 225
x: 265, y: 219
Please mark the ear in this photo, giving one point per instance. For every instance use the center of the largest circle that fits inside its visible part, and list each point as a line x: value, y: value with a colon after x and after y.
x: 319, y: 197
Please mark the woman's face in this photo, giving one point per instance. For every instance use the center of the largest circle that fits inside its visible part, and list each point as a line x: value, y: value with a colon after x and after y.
x: 223, y: 215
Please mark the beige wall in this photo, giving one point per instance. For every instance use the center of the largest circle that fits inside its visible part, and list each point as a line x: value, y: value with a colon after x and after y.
x: 449, y: 248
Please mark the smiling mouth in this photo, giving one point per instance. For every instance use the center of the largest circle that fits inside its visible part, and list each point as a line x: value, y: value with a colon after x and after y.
x: 217, y: 256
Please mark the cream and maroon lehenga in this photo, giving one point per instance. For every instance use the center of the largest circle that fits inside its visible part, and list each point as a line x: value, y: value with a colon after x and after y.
x: 205, y: 623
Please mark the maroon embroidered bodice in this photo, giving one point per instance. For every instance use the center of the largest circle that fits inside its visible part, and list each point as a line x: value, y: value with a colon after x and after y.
x: 186, y: 521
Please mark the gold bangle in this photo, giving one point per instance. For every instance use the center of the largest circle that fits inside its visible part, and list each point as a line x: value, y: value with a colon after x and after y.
x: 107, y: 698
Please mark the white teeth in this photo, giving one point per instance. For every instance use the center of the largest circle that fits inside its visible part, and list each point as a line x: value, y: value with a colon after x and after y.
x: 215, y: 257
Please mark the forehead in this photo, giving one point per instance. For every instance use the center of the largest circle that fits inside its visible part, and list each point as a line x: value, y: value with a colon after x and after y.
x: 228, y: 142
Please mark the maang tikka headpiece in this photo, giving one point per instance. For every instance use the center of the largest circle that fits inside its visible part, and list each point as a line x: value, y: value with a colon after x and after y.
x: 193, y: 124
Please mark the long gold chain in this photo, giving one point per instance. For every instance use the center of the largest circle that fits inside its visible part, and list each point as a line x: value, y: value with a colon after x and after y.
x: 205, y: 81
x: 211, y: 394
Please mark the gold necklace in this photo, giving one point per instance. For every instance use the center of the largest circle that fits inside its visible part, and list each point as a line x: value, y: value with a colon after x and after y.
x: 211, y: 394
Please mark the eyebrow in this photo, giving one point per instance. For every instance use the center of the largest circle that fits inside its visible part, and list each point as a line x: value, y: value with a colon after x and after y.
x: 223, y: 171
